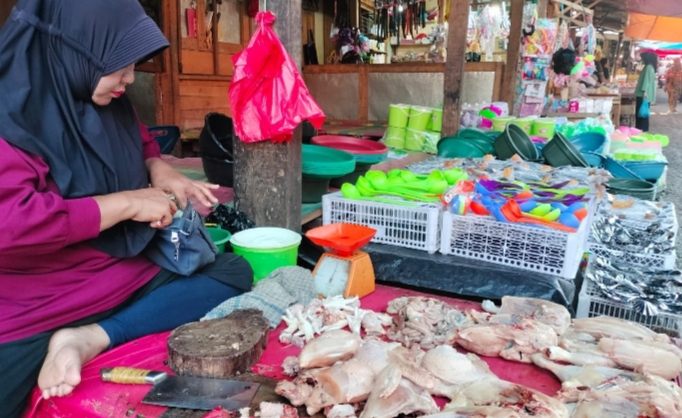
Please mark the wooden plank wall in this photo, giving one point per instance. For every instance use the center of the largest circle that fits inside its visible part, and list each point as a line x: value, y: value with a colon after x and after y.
x: 200, y: 97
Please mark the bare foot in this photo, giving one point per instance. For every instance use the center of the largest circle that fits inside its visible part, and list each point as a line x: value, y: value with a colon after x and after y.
x: 69, y: 350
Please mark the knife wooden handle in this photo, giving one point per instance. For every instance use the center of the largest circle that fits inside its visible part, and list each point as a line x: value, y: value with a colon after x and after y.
x: 131, y: 376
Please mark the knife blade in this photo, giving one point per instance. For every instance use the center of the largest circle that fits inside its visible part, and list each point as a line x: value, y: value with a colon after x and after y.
x: 185, y: 391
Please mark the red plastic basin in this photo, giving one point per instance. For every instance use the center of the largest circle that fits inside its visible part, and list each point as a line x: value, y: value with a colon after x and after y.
x: 350, y: 144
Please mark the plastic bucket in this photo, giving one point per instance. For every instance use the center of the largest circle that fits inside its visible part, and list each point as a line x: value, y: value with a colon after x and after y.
x: 220, y: 237
x: 543, y: 127
x: 395, y: 137
x: 524, y: 124
x: 437, y: 120
x: 419, y: 118
x: 266, y: 249
x: 398, y: 115
x: 431, y: 140
x: 500, y: 123
x: 414, y: 140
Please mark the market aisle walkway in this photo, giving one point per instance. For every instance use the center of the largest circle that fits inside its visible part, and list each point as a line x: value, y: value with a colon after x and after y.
x: 671, y: 125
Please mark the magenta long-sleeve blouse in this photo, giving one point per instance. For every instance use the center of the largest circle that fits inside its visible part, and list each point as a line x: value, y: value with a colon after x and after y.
x: 49, y: 274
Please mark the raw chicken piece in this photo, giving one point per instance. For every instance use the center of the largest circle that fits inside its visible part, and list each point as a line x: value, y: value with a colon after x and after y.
x: 647, y: 396
x: 347, y: 382
x: 642, y: 358
x: 663, y: 346
x: 477, y: 412
x: 515, y: 398
x: 341, y: 411
x: 328, y: 348
x: 423, y: 321
x: 374, y: 353
x: 608, y: 405
x: 319, y: 399
x: 291, y: 366
x: 297, y: 393
x: 410, y: 368
x: 576, y: 376
x: 374, y: 323
x: 604, y: 326
x: 580, y: 358
x: 452, y: 367
x: 546, y: 312
x: 277, y: 410
x: 514, y: 342
x: 407, y: 398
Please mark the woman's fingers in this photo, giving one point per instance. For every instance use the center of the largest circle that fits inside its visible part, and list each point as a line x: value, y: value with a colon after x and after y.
x: 202, y: 192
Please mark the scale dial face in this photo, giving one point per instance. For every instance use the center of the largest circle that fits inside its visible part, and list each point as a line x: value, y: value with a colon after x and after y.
x: 331, y: 276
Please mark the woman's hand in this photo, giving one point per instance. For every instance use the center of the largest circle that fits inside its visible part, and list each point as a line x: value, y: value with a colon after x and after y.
x: 144, y: 205
x: 152, y: 205
x: 164, y: 177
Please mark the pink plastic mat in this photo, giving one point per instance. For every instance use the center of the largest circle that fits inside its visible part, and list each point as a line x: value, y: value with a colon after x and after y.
x: 93, y: 398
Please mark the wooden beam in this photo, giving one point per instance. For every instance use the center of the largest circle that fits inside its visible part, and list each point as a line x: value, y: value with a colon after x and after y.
x: 511, y: 69
x: 454, y: 65
x: 591, y: 6
x: 574, y: 6
x: 267, y: 176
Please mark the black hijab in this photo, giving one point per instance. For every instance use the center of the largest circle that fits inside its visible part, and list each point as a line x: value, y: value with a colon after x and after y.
x: 52, y: 56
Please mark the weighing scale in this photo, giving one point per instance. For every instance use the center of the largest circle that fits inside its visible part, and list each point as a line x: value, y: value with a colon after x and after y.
x: 343, y: 270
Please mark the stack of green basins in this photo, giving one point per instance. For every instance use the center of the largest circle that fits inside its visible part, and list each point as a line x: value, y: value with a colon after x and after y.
x: 468, y: 143
x: 320, y: 165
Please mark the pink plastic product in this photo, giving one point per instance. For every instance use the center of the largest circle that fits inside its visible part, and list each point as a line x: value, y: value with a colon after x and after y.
x: 96, y: 399
x: 629, y: 131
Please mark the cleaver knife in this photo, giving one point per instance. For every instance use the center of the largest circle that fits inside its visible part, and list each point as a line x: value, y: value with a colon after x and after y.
x: 185, y: 391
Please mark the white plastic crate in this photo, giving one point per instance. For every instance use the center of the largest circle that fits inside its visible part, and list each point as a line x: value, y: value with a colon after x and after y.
x: 592, y: 303
x: 410, y: 227
x: 646, y: 261
x: 536, y: 249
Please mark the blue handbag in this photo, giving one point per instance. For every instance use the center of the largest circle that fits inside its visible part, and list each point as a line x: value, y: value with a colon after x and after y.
x: 184, y: 246
x: 644, y: 111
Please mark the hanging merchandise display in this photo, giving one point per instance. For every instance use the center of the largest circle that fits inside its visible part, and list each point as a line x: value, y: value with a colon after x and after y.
x: 539, y: 43
x: 267, y: 95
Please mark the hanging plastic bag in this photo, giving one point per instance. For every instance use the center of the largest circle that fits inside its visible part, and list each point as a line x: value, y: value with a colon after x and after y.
x: 267, y: 95
x: 644, y: 109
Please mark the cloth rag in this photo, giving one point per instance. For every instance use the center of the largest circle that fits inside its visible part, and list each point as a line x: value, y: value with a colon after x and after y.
x: 272, y: 295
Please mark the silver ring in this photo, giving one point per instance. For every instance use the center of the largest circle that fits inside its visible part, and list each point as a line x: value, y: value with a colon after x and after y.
x: 171, y: 197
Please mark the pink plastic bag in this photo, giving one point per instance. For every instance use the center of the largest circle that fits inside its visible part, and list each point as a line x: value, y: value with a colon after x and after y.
x: 267, y: 95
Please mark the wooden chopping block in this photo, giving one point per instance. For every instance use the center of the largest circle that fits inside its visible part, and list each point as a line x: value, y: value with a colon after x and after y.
x: 219, y: 348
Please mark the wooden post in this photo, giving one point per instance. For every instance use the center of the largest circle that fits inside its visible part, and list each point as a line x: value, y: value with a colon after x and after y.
x: 511, y: 69
x: 542, y: 8
x: 267, y: 176
x: 454, y: 65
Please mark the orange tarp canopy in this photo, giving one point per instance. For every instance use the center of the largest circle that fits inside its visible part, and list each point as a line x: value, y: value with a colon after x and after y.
x: 654, y: 28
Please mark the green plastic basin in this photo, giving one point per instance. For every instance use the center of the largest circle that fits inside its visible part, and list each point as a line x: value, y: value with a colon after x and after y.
x: 220, y: 237
x: 560, y: 152
x: 514, y: 140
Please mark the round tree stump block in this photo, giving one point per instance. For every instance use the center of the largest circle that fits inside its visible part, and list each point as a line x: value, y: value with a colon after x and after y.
x: 219, y: 348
